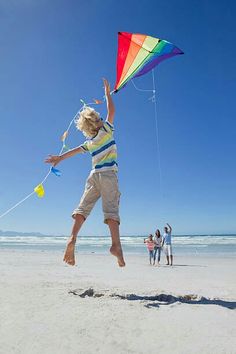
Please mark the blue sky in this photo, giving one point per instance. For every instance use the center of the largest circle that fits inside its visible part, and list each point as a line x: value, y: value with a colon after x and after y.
x: 55, y: 52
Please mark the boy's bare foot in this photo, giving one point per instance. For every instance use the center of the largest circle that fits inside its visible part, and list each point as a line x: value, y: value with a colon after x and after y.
x: 117, y: 252
x: 69, y: 255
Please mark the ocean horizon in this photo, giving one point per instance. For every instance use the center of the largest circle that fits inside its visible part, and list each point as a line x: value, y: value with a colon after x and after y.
x: 182, y: 244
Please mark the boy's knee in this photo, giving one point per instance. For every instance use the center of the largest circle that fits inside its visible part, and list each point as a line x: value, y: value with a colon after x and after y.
x: 79, y: 217
x: 110, y: 221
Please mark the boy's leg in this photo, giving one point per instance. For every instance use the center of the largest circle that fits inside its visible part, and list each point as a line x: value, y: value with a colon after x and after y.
x: 89, y: 198
x: 116, y: 249
x: 110, y: 204
x: 69, y: 255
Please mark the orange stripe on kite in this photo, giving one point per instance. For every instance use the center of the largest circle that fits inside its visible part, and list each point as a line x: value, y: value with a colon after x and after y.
x: 136, y: 42
x: 124, y: 43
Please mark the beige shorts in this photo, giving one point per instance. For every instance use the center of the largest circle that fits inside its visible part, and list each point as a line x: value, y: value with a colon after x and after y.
x: 101, y: 184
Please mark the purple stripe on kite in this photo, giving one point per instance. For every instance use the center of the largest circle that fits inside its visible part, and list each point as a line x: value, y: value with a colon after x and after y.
x: 151, y: 64
x: 177, y: 51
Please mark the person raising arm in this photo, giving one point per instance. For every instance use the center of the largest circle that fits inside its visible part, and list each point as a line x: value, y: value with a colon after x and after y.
x: 102, y: 181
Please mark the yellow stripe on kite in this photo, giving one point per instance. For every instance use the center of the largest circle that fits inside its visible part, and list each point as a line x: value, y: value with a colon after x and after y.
x: 143, y: 53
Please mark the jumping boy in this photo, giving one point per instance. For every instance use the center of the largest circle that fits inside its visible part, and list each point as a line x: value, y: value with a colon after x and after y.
x: 102, y: 181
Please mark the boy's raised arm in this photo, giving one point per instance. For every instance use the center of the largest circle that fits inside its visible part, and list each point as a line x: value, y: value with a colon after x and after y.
x: 110, y: 104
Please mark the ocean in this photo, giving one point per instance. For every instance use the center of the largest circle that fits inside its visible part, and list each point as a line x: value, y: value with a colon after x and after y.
x: 224, y: 245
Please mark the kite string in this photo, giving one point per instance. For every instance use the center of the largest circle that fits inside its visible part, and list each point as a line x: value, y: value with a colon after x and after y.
x: 45, y: 178
x: 153, y: 98
x: 48, y: 173
x: 154, y: 101
x: 16, y: 205
x: 157, y: 130
x: 63, y: 144
x: 139, y: 89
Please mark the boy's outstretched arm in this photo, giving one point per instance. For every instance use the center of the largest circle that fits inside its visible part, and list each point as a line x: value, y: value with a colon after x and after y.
x: 110, y: 104
x: 55, y: 159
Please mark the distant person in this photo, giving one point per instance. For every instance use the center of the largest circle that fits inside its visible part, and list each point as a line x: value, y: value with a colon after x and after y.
x: 167, y: 244
x: 158, y: 246
x: 150, y: 246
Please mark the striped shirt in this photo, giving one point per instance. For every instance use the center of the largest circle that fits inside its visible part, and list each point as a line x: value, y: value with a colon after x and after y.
x: 103, y: 149
x: 150, y: 245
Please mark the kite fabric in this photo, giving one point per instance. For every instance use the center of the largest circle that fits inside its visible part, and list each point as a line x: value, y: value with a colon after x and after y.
x: 64, y: 136
x: 138, y: 54
x: 97, y: 101
x: 56, y: 171
x: 39, y: 190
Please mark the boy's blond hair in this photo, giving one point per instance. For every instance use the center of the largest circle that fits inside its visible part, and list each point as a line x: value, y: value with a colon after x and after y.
x: 88, y: 121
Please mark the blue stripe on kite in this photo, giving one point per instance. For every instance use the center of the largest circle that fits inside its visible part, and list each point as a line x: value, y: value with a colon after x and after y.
x: 106, y: 164
x: 103, y: 148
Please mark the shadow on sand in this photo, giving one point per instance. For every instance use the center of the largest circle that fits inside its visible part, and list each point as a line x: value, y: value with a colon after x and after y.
x: 187, y: 265
x: 157, y: 300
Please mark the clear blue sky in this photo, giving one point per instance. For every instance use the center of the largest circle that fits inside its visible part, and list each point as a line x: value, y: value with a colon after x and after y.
x: 55, y: 52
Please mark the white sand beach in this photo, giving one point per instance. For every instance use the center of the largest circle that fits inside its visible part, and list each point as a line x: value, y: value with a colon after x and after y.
x: 96, y: 307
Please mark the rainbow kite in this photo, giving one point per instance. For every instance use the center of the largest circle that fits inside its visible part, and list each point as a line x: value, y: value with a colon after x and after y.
x: 138, y: 54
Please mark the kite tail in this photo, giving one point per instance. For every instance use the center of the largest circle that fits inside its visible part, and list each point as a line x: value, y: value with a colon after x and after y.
x: 39, y: 190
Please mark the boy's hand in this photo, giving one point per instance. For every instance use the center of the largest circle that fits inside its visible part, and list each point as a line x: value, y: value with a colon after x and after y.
x: 106, y: 87
x: 54, y: 160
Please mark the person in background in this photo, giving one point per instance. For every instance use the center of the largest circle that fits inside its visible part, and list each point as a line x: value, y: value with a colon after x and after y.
x: 166, y: 242
x: 150, y: 246
x: 158, y: 246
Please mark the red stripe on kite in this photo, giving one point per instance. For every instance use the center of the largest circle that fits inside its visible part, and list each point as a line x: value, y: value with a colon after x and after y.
x: 124, y: 41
